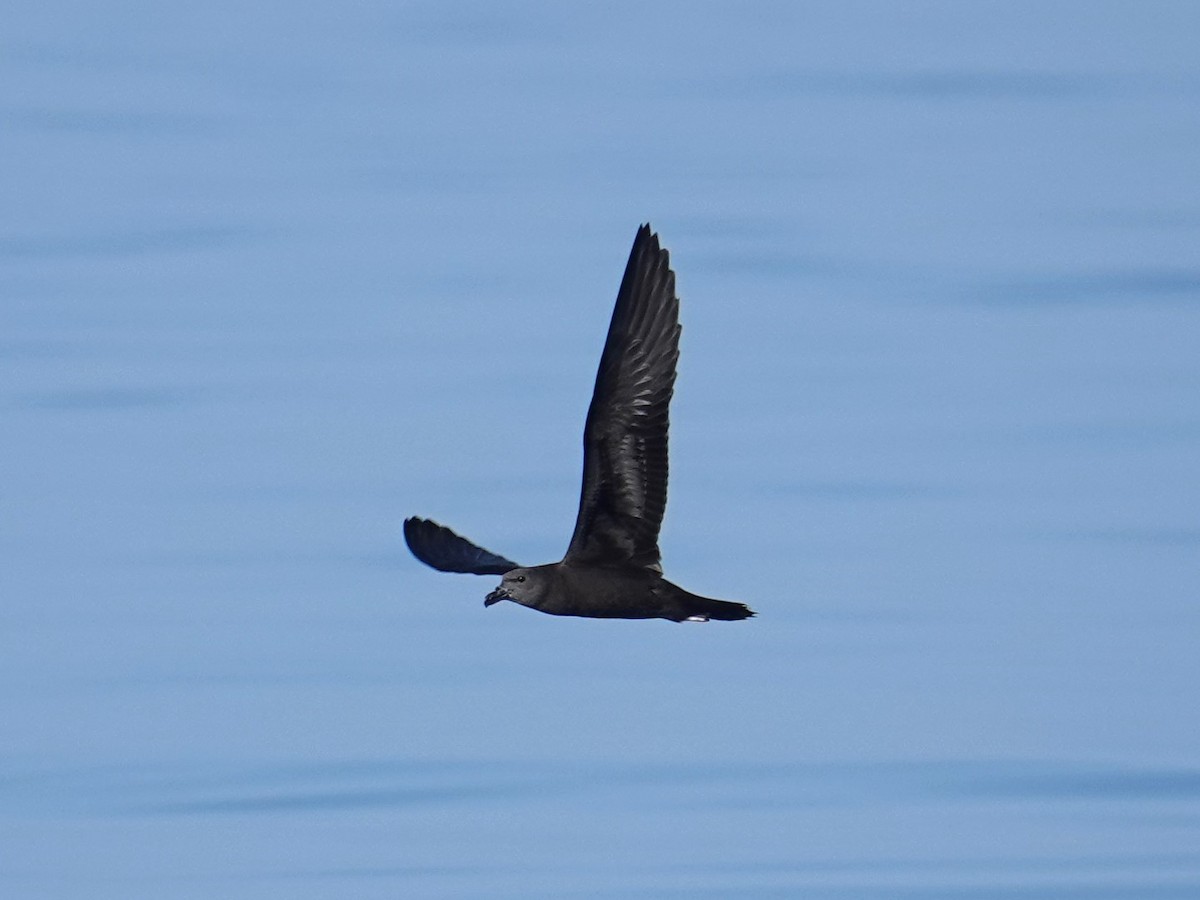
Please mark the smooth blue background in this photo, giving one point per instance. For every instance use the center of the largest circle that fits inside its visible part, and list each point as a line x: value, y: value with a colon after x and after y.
x: 274, y: 276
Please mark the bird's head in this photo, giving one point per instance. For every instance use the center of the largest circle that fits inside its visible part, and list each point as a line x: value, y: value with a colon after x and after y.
x: 524, y: 586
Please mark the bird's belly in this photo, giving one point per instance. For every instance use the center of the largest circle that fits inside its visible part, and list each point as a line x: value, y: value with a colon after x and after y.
x: 603, y: 594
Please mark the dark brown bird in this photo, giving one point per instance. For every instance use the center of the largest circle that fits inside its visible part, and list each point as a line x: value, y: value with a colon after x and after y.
x: 612, y: 568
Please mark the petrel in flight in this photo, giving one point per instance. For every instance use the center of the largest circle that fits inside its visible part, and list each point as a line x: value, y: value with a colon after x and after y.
x: 612, y: 569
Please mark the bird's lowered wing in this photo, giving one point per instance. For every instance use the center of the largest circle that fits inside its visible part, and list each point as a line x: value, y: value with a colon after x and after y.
x: 439, y: 547
x: 624, y: 490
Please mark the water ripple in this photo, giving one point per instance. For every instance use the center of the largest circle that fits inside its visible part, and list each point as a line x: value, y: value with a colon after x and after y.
x: 358, y: 784
x: 116, y: 243
x: 1127, y: 285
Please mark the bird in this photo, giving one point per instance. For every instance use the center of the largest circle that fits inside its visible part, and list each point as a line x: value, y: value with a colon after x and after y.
x: 613, y: 567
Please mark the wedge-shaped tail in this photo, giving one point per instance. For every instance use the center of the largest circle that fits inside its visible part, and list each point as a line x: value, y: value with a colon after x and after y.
x: 701, y: 609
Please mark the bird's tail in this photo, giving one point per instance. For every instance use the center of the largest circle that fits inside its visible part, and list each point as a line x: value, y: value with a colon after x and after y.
x: 701, y: 609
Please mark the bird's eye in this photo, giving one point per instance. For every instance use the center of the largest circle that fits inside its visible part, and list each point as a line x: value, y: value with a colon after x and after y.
x: 520, y: 578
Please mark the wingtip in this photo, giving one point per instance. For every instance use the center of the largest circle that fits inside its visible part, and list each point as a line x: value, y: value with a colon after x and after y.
x: 646, y: 233
x: 412, y: 527
x: 419, y: 531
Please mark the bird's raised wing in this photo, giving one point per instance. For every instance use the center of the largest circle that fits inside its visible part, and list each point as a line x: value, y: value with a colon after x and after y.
x: 439, y: 547
x: 625, y: 440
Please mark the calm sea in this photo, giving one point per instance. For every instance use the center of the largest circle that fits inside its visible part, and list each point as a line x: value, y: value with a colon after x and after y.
x: 274, y: 276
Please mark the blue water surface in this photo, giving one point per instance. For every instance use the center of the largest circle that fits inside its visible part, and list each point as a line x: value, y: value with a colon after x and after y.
x: 274, y: 276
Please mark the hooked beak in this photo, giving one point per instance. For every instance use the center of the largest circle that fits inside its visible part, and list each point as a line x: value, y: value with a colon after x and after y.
x: 496, y: 596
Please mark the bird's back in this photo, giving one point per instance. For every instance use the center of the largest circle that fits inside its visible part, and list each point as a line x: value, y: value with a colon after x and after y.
x: 624, y: 592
